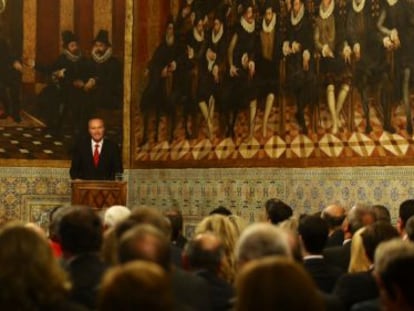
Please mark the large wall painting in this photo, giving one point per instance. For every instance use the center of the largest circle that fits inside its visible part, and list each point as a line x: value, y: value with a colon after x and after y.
x: 272, y: 83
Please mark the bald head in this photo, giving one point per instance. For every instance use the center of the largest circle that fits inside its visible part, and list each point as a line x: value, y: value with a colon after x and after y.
x: 205, y: 251
x: 334, y: 216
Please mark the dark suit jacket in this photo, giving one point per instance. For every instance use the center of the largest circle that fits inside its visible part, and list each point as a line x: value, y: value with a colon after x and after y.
x: 85, y: 272
x: 335, y: 239
x: 338, y: 256
x: 82, y: 161
x: 190, y: 291
x: 356, y: 287
x: 221, y: 292
x: 324, y: 275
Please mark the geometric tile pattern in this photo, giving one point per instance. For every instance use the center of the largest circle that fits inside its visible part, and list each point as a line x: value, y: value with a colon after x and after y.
x: 318, y: 147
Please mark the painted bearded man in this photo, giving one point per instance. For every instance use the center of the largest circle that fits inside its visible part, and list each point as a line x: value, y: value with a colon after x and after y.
x: 328, y: 42
x: 268, y: 58
x: 299, y: 65
x: 108, y: 90
x: 161, y: 91
x: 212, y: 70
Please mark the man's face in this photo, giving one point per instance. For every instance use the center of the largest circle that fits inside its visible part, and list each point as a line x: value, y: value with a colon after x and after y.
x: 96, y: 129
x: 326, y: 3
x: 216, y: 26
x: 268, y: 15
x: 73, y: 47
x: 248, y: 15
x: 200, y: 26
x: 100, y: 48
x: 296, y: 6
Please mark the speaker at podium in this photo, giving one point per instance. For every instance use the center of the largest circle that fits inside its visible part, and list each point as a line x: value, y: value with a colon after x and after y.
x: 99, y: 194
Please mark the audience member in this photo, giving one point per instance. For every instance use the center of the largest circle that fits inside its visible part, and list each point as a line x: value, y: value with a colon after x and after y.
x: 313, y: 233
x: 274, y: 283
x: 359, y: 261
x: 226, y: 230
x: 409, y: 228
x: 359, y: 216
x: 146, y: 242
x: 394, y: 270
x: 290, y: 226
x: 55, y: 216
x: 80, y: 233
x: 114, y: 215
x: 138, y: 285
x: 334, y: 215
x: 221, y: 210
x: 238, y: 222
x: 382, y: 213
x: 31, y: 277
x: 357, y: 287
x: 176, y: 219
x: 260, y: 240
x: 406, y: 210
x: 204, y: 255
x: 277, y: 211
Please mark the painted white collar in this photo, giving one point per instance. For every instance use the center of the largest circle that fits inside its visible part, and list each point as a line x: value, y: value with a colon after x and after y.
x: 312, y: 257
x: 72, y: 57
x: 269, y: 27
x: 392, y: 2
x: 199, y: 37
x: 102, y: 58
x: 325, y: 13
x: 249, y: 27
x: 296, y: 19
x: 216, y: 37
x: 358, y: 7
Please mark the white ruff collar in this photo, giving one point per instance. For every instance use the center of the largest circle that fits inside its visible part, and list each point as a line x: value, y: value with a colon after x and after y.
x: 216, y: 37
x: 249, y: 27
x: 325, y: 14
x: 102, y: 58
x: 392, y: 2
x: 199, y: 37
x: 296, y: 19
x: 72, y: 57
x: 358, y: 7
x: 269, y: 28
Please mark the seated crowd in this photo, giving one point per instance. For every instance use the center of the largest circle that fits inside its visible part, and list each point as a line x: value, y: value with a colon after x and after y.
x: 138, y: 259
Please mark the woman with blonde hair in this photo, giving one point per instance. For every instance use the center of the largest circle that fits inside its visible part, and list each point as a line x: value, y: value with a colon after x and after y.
x: 276, y: 283
x: 30, y: 275
x: 359, y: 261
x: 224, y: 228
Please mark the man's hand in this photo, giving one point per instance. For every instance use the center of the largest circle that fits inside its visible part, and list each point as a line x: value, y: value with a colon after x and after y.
x: 78, y: 84
x: 89, y: 85
x: 18, y: 66
x: 234, y: 71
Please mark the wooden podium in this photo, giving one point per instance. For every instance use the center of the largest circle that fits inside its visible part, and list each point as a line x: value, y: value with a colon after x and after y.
x: 99, y: 194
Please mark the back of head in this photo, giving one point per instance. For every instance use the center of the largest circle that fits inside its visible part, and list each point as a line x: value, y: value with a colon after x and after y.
x: 151, y: 216
x: 138, y: 285
x: 114, y: 215
x: 205, y: 251
x: 176, y: 220
x: 276, y: 283
x: 221, y: 210
x: 145, y: 242
x: 359, y: 216
x: 382, y: 213
x: 277, y: 211
x: 375, y: 234
x: 313, y: 231
x: 409, y: 228
x: 80, y: 231
x: 358, y: 261
x: 394, y: 266
x: 30, y: 274
x: 406, y: 211
x: 260, y: 240
x: 334, y: 216
x: 55, y: 216
x: 226, y: 230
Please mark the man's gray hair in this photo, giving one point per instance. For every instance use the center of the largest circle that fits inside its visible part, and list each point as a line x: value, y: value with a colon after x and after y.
x: 356, y: 216
x: 261, y: 240
x: 387, y: 252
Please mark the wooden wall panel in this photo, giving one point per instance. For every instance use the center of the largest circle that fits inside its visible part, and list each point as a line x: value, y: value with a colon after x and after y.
x: 84, y: 23
x: 47, y: 35
x: 118, y: 27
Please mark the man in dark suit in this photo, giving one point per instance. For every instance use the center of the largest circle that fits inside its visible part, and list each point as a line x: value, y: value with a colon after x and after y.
x: 313, y: 233
x: 334, y: 216
x: 96, y: 158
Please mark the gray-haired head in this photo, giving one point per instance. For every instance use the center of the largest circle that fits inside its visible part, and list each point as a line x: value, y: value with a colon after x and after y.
x: 261, y: 240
